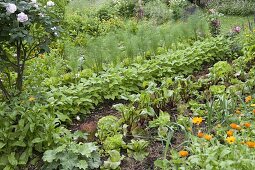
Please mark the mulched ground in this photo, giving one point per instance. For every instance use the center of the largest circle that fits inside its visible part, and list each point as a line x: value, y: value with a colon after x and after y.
x: 155, y: 149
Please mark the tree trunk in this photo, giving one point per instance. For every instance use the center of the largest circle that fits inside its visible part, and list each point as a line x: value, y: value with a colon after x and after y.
x: 5, y: 92
x: 140, y: 12
x: 19, y: 80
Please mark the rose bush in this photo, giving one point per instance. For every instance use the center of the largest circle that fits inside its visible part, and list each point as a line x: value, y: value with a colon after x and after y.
x: 27, y: 28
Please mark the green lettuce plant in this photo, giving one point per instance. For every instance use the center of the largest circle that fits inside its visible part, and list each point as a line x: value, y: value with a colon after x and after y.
x: 137, y: 149
x: 114, y: 142
x: 108, y: 126
x: 114, y: 161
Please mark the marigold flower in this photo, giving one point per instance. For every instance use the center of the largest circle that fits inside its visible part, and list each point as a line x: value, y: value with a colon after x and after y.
x: 197, y: 120
x: 230, y: 133
x: 31, y: 98
x: 252, y: 105
x: 231, y: 139
x: 235, y: 126
x: 183, y: 153
x: 247, y: 125
x: 208, y: 137
x: 248, y: 98
x: 200, y: 134
x: 250, y: 144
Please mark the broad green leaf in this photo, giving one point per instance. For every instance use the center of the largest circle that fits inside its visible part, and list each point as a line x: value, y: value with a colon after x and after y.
x: 111, y: 165
x: 12, y: 160
x: 82, y: 164
x: 163, y: 164
x: 7, y: 168
x: 68, y: 161
x: 94, y: 161
x: 87, y: 148
x: 62, y: 116
x: 148, y: 111
x: 19, y: 143
x: 3, y: 160
x: 24, y: 158
x: 37, y: 140
x: 49, y: 155
x: 2, y: 145
x: 32, y: 127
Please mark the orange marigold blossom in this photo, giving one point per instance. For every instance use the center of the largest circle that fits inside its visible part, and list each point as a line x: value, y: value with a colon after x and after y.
x: 250, y: 144
x: 197, y: 120
x: 248, y: 99
x: 200, y: 134
x: 235, y: 126
x: 247, y: 124
x: 208, y: 137
x: 230, y: 133
x: 183, y: 153
x: 231, y: 139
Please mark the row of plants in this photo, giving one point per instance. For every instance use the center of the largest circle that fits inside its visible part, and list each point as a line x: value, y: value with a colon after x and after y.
x: 72, y: 94
x: 211, y: 113
x: 38, y: 117
x: 216, y: 121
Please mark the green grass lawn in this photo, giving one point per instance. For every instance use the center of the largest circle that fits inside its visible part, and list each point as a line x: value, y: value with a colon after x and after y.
x: 228, y: 22
x: 81, y: 4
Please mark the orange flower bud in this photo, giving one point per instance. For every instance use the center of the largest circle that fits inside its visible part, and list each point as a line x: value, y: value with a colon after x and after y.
x: 235, y: 126
x: 200, y: 134
x: 250, y: 144
x: 183, y: 153
x: 208, y: 137
x: 230, y: 132
x: 248, y: 99
x: 247, y: 125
